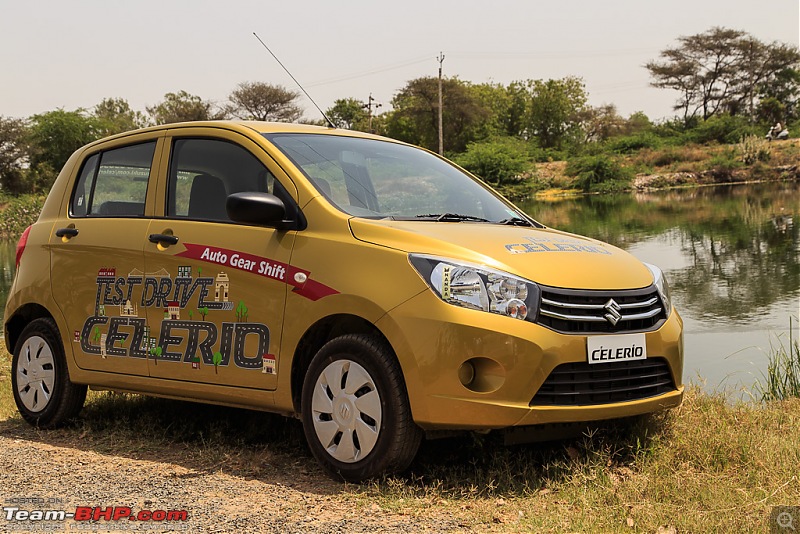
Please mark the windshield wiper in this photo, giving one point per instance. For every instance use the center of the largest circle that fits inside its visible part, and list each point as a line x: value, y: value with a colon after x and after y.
x: 515, y: 221
x: 451, y: 217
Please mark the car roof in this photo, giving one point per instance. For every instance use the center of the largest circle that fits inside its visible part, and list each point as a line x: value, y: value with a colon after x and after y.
x: 261, y: 127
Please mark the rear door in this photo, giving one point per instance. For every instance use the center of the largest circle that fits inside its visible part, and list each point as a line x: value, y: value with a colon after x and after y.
x: 215, y: 290
x: 97, y: 258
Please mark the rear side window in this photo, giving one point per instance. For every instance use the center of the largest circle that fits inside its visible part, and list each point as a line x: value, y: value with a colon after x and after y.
x: 114, y: 183
x: 203, y: 172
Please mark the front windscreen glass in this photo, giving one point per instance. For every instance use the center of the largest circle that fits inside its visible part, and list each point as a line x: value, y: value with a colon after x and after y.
x: 373, y: 178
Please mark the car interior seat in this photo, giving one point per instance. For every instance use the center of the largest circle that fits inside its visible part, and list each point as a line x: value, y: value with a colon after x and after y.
x: 207, y: 198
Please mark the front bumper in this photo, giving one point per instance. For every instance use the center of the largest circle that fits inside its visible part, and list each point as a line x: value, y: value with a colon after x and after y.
x: 433, y: 339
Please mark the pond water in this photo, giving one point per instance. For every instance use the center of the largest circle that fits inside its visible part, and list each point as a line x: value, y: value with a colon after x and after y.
x: 730, y: 253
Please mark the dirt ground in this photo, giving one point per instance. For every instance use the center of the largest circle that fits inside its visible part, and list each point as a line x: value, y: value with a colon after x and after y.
x: 60, y: 471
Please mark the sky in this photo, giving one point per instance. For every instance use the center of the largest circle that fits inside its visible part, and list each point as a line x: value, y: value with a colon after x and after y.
x: 72, y: 54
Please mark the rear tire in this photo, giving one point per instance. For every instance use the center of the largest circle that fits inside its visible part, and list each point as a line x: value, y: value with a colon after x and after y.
x: 356, y: 415
x: 43, y: 392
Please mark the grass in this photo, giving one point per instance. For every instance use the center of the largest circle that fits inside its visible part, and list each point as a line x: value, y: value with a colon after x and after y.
x: 707, y: 466
x: 782, y: 379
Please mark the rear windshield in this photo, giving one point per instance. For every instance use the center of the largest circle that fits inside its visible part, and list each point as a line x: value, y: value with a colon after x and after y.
x: 378, y: 179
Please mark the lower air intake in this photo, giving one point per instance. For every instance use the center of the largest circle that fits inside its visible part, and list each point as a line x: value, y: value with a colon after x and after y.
x: 582, y: 384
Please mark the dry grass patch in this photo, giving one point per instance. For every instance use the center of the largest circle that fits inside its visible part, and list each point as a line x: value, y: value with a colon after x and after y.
x: 708, y: 466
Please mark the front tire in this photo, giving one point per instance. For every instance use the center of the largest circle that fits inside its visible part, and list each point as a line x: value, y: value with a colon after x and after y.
x: 356, y: 415
x: 43, y: 392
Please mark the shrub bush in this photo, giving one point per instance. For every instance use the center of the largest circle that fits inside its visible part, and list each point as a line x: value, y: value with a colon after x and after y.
x: 725, y: 129
x: 723, y: 164
x: 19, y: 213
x: 499, y: 161
x: 670, y: 155
x: 753, y: 148
x: 598, y: 173
x: 633, y: 143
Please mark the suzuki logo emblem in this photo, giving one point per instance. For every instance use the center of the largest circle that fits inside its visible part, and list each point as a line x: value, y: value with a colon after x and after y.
x: 344, y: 411
x: 613, y: 314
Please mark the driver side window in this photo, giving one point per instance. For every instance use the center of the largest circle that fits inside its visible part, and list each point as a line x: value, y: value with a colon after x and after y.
x: 203, y: 172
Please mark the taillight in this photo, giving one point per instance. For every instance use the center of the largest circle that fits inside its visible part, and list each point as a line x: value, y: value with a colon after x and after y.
x: 23, y: 240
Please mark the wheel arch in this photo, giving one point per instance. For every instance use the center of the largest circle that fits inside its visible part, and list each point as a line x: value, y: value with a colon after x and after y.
x: 320, y: 333
x: 21, y: 317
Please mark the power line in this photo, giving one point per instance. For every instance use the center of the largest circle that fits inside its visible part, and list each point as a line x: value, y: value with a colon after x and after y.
x: 363, y: 74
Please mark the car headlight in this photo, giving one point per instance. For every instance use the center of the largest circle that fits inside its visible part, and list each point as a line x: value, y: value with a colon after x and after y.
x: 661, y: 284
x: 478, y: 287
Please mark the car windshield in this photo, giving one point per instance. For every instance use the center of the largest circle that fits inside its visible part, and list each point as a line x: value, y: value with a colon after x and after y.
x: 379, y: 179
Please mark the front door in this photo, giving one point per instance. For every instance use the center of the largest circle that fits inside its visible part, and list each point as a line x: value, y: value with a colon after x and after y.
x: 215, y: 291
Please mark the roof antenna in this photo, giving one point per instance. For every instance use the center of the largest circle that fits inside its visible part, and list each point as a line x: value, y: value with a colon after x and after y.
x: 330, y: 122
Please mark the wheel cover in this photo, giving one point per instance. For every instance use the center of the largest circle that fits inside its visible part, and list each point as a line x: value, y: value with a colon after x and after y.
x: 346, y: 411
x: 36, y: 374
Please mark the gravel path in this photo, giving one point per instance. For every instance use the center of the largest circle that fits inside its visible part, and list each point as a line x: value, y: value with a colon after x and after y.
x: 51, y: 471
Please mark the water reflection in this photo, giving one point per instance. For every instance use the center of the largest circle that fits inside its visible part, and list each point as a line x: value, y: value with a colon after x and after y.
x: 731, y: 255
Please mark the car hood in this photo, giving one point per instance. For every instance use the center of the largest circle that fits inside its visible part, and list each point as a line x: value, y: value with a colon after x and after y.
x: 545, y: 256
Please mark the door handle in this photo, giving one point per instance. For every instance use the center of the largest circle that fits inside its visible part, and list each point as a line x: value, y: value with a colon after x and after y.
x: 163, y: 238
x: 66, y: 232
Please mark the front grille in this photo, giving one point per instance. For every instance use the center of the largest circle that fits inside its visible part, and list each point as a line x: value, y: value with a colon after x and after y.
x: 589, y: 312
x: 584, y: 384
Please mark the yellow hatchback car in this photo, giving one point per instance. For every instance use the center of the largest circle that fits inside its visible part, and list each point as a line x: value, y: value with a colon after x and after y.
x: 369, y: 287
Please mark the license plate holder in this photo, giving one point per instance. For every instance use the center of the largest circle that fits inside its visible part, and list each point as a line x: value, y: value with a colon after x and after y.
x: 616, y: 348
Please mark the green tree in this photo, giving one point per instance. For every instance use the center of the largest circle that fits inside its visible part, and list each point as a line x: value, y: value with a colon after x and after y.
x: 216, y: 360
x: 600, y: 123
x: 415, y: 118
x: 182, y: 106
x: 264, y: 102
x: 637, y: 122
x: 349, y: 113
x: 514, y: 119
x: 720, y: 70
x: 203, y: 311
x: 553, y: 110
x: 13, y: 155
x: 54, y: 136
x: 499, y: 161
x: 496, y: 100
x: 115, y: 116
x: 241, y: 311
x: 778, y: 99
x: 156, y: 352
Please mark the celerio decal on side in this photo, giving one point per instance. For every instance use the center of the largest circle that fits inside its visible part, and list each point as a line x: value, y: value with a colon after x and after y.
x: 128, y: 334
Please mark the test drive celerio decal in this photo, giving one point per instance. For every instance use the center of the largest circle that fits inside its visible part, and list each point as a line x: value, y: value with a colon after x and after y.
x: 101, y: 334
x: 160, y: 290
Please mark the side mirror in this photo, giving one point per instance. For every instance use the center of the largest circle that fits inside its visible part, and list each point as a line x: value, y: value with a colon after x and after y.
x: 260, y: 209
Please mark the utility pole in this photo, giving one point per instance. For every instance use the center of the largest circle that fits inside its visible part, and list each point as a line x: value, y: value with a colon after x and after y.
x: 369, y: 107
x: 440, y: 59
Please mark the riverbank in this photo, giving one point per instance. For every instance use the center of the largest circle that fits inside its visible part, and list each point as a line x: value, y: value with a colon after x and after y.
x: 707, y: 466
x: 665, y: 168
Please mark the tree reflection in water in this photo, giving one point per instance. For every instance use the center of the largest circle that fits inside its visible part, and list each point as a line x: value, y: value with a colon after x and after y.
x: 740, y: 244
